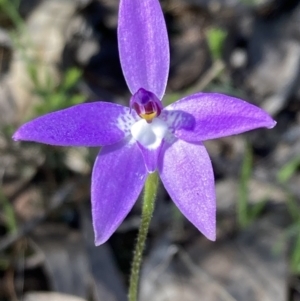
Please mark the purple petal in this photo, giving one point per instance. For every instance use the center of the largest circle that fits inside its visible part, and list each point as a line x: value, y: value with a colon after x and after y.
x: 91, y: 124
x: 186, y: 172
x: 217, y: 115
x: 143, y: 46
x: 118, y: 177
x: 150, y: 157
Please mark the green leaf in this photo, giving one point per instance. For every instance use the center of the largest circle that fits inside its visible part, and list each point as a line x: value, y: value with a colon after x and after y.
x: 7, y: 209
x: 256, y: 210
x: 295, y: 258
x: 215, y: 39
x: 76, y: 99
x: 71, y: 78
x: 288, y: 170
x: 242, y: 205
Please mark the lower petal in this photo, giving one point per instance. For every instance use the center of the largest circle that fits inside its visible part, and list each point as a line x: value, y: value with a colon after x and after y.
x: 186, y: 172
x: 118, y: 177
x: 150, y: 157
x: 149, y: 137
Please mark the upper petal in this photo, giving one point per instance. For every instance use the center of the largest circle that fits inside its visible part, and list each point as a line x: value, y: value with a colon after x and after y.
x: 218, y: 115
x: 143, y: 45
x: 118, y: 177
x: 186, y: 172
x: 91, y: 124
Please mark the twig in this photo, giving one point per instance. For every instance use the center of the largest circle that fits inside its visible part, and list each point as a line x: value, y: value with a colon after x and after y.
x: 56, y: 201
x: 201, y: 274
x: 215, y: 70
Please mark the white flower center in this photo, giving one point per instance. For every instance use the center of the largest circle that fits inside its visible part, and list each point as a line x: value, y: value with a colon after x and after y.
x: 151, y: 134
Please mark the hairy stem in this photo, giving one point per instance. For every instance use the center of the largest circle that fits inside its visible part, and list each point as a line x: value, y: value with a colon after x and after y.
x: 147, y: 211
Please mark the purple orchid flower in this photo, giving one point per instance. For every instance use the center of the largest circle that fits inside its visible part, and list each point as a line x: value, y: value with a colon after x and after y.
x: 147, y: 137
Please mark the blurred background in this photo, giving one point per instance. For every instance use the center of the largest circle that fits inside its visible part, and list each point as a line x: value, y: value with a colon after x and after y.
x: 57, y: 53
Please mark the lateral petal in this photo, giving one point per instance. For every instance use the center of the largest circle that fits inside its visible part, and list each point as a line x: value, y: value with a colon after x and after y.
x: 218, y: 115
x: 186, y: 172
x: 143, y: 46
x: 118, y: 177
x: 90, y: 124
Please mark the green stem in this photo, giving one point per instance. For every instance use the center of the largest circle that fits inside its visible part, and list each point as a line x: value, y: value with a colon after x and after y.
x: 147, y: 211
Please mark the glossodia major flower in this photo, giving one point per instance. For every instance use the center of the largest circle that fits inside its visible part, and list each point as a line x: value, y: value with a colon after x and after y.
x: 146, y: 137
